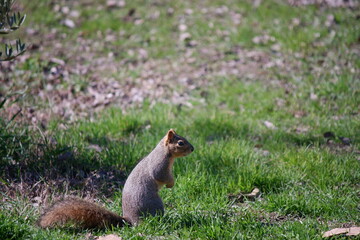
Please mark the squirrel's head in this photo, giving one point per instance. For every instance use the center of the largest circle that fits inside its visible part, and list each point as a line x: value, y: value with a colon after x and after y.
x: 177, y: 145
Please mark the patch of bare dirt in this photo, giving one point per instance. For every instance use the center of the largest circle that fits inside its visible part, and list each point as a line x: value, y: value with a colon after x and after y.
x: 84, y: 81
x: 72, y: 79
x: 276, y: 218
x: 42, y: 170
x: 340, y: 148
x: 269, y: 218
x: 93, y: 184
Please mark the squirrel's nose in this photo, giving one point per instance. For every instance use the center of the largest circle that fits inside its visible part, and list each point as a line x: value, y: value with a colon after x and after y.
x: 192, y: 148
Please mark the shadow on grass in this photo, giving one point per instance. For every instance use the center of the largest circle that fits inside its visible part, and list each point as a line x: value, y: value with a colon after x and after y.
x: 39, y: 168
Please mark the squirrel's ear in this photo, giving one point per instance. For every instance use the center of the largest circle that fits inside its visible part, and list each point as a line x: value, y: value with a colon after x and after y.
x: 169, y: 136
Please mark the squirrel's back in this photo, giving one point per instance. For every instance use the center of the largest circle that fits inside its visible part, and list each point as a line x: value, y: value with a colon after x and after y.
x: 81, y: 213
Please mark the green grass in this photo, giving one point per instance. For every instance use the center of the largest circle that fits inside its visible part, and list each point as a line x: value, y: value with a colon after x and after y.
x: 310, y: 185
x: 300, y: 179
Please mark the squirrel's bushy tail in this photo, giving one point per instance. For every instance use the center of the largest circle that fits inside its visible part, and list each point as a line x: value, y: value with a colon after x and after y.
x: 81, y: 213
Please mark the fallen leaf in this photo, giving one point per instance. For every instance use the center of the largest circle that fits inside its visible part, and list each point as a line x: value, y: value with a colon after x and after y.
x: 95, y: 147
x: 241, y: 197
x: 65, y: 10
x: 57, y: 61
x: 74, y: 14
x: 258, y: 149
x: 313, y: 97
x: 335, y: 231
x: 182, y: 27
x: 257, y: 3
x: 189, y: 11
x: 170, y: 11
x: 254, y: 194
x: 109, y: 237
x: 345, y: 140
x: 269, y: 125
x: 276, y: 47
x: 115, y: 4
x: 302, y: 129
x: 330, y: 20
x: 352, y: 231
x: 185, y: 36
x: 69, y: 23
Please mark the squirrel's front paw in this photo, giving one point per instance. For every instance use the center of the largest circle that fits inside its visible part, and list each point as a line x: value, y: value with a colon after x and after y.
x: 170, y: 185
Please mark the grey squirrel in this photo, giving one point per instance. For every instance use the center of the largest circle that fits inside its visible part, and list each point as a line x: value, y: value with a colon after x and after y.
x: 140, y: 194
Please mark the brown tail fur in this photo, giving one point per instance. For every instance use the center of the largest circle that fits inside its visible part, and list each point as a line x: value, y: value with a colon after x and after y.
x: 81, y: 213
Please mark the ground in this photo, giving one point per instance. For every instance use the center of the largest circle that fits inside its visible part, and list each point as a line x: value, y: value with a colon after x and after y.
x: 266, y: 91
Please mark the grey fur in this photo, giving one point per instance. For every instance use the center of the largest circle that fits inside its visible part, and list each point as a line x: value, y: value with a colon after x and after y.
x: 141, y: 191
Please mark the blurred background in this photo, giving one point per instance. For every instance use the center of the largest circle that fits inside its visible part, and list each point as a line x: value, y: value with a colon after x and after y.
x: 267, y: 91
x: 83, y: 56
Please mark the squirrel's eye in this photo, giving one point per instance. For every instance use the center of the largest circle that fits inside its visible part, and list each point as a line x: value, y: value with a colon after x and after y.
x: 180, y: 143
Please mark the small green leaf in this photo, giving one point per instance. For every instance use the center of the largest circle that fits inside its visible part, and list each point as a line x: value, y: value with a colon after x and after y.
x: 3, y: 101
x: 14, y: 27
x: 5, y: 31
x: 10, y: 20
x: 17, y: 45
x: 8, y: 50
x: 14, y: 18
x: 22, y: 19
